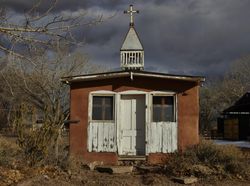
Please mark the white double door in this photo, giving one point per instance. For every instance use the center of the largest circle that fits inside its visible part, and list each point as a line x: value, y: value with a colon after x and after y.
x: 132, y: 125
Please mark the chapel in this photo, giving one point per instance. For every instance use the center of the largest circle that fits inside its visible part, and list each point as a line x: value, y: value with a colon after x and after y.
x: 132, y: 114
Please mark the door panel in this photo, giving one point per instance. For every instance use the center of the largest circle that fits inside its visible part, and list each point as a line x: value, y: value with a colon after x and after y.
x: 133, y: 124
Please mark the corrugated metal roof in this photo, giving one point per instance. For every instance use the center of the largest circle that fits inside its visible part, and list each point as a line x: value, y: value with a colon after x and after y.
x: 132, y: 41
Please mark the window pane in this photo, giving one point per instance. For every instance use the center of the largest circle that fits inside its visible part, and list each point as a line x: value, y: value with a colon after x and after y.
x: 157, y: 100
x: 97, y: 113
x: 97, y: 100
x: 168, y: 114
x: 109, y: 113
x: 108, y: 101
x: 156, y: 114
x: 169, y: 100
x: 108, y: 108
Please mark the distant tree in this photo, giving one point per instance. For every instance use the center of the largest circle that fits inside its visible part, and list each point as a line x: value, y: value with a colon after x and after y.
x: 208, y: 110
x: 218, y: 95
x: 236, y: 81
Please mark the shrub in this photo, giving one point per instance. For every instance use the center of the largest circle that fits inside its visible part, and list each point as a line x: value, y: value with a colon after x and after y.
x: 60, y: 156
x: 38, y: 143
x: 8, y: 151
x: 207, y: 159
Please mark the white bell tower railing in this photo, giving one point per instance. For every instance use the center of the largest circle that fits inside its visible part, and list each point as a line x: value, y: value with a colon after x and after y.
x: 132, y: 60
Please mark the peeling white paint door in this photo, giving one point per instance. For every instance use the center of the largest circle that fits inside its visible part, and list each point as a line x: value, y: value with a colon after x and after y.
x: 132, y: 115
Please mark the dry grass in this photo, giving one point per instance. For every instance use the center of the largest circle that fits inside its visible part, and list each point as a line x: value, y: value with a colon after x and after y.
x: 204, y: 161
x: 9, y: 151
x: 208, y: 159
x: 75, y: 164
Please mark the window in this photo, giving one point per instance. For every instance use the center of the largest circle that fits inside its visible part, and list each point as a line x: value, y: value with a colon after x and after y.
x: 103, y: 108
x: 163, y: 108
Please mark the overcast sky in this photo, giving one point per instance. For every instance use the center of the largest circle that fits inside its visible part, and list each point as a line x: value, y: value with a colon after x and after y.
x: 196, y: 37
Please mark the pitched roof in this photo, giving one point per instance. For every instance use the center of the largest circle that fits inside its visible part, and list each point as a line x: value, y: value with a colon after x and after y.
x: 242, y: 105
x: 132, y: 41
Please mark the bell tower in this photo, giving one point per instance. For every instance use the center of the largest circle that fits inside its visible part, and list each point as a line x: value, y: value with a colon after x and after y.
x: 132, y: 52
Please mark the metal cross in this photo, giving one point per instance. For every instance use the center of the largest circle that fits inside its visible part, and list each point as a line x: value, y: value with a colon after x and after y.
x: 131, y: 12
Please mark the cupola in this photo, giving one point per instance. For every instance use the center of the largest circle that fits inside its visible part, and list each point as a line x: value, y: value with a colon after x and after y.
x: 132, y: 52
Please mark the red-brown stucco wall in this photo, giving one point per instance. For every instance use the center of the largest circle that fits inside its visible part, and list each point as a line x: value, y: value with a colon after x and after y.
x: 187, y: 106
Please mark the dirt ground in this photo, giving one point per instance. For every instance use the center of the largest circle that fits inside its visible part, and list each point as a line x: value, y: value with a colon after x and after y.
x: 93, y: 178
x: 51, y: 176
x: 18, y: 173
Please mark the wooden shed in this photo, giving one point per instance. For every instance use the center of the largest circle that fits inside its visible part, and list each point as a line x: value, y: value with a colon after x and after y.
x: 234, y: 124
x: 133, y: 114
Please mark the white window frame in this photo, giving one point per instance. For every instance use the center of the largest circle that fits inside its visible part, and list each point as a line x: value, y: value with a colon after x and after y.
x: 90, y: 107
x: 163, y: 93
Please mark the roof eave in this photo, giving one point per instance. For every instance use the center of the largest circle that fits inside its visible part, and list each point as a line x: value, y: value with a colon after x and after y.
x: 103, y: 76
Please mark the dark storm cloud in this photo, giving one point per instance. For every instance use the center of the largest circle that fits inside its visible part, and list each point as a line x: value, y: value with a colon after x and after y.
x: 21, y: 5
x: 196, y: 36
x: 185, y: 36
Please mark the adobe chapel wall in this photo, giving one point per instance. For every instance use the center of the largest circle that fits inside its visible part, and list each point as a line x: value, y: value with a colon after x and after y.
x: 187, y: 105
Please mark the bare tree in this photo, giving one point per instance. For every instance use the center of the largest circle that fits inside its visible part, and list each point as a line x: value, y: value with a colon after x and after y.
x: 39, y: 30
x: 236, y: 81
x: 40, y: 84
x: 208, y: 110
x: 220, y: 94
x: 35, y: 92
